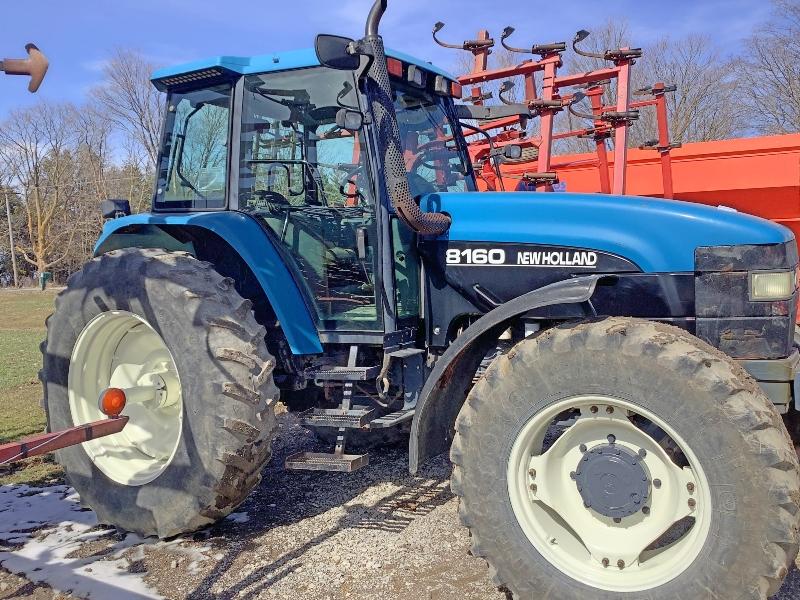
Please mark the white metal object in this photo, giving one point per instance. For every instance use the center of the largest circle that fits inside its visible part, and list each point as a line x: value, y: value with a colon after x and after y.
x: 612, y: 554
x: 120, y: 349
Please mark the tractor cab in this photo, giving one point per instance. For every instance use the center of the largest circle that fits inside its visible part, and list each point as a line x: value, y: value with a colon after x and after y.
x: 289, y: 143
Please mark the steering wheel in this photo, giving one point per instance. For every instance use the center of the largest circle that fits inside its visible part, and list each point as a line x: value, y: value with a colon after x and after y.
x: 433, y: 154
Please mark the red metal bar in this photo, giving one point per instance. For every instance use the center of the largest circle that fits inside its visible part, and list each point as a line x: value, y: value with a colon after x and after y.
x: 482, y: 55
x: 664, y: 144
x: 586, y: 78
x: 49, y: 442
x: 523, y: 69
x: 547, y: 117
x: 621, y: 127
x: 596, y: 98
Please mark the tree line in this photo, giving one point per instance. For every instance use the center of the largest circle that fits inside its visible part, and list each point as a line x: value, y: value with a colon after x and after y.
x: 58, y: 161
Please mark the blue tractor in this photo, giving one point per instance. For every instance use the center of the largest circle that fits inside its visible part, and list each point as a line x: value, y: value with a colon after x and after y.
x: 608, y: 374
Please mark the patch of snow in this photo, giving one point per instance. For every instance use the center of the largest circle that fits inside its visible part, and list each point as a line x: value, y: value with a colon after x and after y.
x: 239, y: 517
x: 48, y: 525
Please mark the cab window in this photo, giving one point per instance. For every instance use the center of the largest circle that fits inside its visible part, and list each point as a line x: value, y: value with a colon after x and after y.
x: 194, y: 157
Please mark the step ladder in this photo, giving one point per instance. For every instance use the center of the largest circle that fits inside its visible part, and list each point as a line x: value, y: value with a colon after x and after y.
x: 344, y: 418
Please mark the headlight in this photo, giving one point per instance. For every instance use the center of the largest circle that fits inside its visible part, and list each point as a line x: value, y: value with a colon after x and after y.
x: 772, y: 286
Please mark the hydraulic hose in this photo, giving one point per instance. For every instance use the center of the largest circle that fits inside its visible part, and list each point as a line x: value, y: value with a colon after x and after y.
x: 388, y: 131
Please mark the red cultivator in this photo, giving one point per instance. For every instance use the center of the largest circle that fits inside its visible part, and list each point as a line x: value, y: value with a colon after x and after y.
x: 724, y: 172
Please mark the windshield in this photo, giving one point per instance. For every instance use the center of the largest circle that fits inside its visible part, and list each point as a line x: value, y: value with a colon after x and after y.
x: 432, y: 151
x: 192, y: 169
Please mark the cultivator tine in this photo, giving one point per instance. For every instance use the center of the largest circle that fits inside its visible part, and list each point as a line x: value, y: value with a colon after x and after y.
x: 474, y: 46
x: 619, y: 117
x: 655, y: 90
x: 478, y: 97
x: 620, y: 54
x: 539, y: 49
x: 505, y: 87
x: 580, y: 114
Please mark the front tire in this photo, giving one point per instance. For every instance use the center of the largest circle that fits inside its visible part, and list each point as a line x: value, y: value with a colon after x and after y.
x: 186, y: 347
x: 626, y: 459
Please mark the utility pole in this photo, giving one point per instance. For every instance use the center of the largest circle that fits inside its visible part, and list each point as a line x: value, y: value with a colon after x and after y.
x: 11, y: 241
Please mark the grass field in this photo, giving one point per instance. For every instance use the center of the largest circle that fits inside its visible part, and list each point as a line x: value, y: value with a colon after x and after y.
x: 22, y: 315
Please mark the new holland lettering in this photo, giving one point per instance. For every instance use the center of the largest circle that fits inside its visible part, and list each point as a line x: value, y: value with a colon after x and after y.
x: 558, y: 258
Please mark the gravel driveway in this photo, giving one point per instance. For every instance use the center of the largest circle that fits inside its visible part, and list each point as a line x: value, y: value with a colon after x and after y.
x: 377, y: 533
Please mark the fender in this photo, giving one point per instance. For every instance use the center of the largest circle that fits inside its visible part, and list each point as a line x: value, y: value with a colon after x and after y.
x: 255, y: 247
x: 447, y: 386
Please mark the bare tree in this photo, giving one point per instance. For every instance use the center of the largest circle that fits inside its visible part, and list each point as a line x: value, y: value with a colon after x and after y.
x: 38, y: 147
x: 771, y: 72
x: 130, y: 101
x: 705, y: 105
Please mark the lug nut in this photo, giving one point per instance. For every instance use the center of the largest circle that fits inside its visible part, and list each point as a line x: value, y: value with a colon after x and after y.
x: 593, y: 409
x: 582, y: 447
x: 573, y: 475
x: 605, y: 562
x: 610, y: 409
x: 533, y: 488
x: 656, y: 483
x: 532, y: 472
x: 621, y: 563
x: 611, y: 438
x: 617, y: 520
x: 642, y: 452
x: 690, y: 487
x: 646, y: 510
x: 692, y: 503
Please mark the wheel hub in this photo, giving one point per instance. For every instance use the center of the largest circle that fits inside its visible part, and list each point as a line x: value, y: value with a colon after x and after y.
x: 612, y: 481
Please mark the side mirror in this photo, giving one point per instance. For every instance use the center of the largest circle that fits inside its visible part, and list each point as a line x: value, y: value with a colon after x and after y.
x: 333, y: 51
x: 115, y: 208
x: 349, y: 120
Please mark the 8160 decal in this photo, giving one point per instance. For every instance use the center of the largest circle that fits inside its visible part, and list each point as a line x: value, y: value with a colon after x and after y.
x: 522, y: 258
x: 475, y: 256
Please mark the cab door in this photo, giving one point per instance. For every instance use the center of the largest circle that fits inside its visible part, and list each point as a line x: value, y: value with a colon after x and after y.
x: 308, y: 181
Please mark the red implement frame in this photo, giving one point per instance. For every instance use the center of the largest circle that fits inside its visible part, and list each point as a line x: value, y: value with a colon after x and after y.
x: 49, y: 442
x: 541, y: 102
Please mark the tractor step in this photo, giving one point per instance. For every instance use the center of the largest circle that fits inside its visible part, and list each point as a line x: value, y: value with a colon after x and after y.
x: 391, y: 419
x: 336, y: 417
x: 342, y: 373
x: 321, y: 461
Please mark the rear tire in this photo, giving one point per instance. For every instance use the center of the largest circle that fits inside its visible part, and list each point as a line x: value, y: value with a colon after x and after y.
x: 225, y: 379
x: 740, y: 452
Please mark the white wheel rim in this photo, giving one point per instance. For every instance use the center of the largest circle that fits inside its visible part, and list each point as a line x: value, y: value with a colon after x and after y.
x: 120, y: 349
x: 575, y: 539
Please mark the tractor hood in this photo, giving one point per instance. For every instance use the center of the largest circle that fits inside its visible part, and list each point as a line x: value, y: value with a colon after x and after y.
x: 657, y: 235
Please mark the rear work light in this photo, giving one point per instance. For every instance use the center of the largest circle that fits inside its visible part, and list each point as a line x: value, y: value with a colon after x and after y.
x: 416, y: 76
x: 446, y: 87
x: 776, y: 285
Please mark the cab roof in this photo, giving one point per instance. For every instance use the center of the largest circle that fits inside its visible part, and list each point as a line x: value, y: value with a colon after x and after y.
x: 265, y: 63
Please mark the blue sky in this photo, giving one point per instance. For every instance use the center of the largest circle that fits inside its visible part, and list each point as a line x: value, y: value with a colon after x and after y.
x: 77, y: 35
